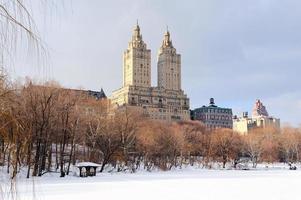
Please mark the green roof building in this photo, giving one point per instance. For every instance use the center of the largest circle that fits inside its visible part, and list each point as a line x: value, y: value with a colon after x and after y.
x: 213, y: 116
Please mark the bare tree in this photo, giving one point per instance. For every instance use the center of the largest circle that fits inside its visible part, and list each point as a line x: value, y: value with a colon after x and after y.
x: 253, y: 145
x: 290, y: 143
x: 127, y: 122
x: 196, y: 139
x: 226, y: 145
x: 270, y: 145
x: 161, y: 143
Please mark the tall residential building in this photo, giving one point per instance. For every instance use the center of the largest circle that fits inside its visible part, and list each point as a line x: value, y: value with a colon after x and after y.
x: 260, y: 119
x: 167, y: 101
x: 169, y: 65
x: 213, y: 116
x: 137, y: 62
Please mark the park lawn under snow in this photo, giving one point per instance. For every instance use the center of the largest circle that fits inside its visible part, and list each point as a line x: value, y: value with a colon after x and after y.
x: 190, y: 184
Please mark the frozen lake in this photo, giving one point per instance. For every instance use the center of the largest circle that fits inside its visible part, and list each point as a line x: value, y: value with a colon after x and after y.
x: 187, y: 184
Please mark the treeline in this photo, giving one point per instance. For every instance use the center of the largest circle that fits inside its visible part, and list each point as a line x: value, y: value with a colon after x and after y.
x: 46, y: 128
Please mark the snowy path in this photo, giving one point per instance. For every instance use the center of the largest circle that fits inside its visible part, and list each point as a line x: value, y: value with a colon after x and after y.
x: 190, y: 185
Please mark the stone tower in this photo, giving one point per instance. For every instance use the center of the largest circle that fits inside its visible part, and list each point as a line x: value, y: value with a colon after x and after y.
x: 259, y: 110
x: 169, y: 65
x: 137, y: 62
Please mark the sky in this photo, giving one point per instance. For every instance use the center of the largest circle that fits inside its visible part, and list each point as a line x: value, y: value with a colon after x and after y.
x: 235, y: 51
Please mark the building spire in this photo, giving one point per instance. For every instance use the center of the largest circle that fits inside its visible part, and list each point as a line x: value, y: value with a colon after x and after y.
x: 136, y: 34
x: 137, y: 40
x: 167, y: 41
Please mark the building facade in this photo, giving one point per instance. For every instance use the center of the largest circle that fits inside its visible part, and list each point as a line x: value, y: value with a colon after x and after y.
x: 137, y: 62
x: 169, y: 65
x: 96, y: 94
x: 213, y: 116
x: 167, y: 101
x: 259, y: 119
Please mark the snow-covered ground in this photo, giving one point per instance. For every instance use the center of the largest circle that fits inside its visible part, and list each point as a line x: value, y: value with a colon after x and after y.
x: 190, y: 184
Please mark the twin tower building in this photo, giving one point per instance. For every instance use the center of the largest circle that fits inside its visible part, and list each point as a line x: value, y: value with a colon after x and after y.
x: 166, y: 101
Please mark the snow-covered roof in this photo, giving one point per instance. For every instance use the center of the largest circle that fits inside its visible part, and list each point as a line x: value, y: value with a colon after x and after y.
x: 87, y: 164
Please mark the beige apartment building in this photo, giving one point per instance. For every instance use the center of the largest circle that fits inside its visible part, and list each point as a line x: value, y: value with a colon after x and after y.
x: 167, y: 101
x: 259, y: 119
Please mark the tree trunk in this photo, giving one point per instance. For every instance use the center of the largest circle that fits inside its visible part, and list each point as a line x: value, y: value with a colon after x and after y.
x: 28, y: 159
x: 49, y: 158
x: 8, y: 161
x: 36, y: 159
x: 56, y: 156
x: 70, y: 156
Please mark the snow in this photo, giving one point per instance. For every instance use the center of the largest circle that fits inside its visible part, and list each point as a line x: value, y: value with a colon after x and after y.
x: 193, y: 184
x: 90, y: 164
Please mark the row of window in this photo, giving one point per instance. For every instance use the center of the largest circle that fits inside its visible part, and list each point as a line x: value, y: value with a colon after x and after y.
x: 141, y: 65
x: 217, y: 126
x: 175, y: 75
x: 164, y: 110
x: 160, y: 102
x: 170, y: 51
x: 141, y: 81
x: 140, y: 54
x: 219, y: 123
x: 217, y: 117
x: 144, y: 74
x: 217, y: 110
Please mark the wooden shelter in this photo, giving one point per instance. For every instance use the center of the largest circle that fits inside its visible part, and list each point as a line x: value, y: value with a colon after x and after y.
x: 87, y: 168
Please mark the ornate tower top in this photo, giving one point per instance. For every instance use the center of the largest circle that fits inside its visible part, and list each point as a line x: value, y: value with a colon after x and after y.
x: 167, y: 42
x: 137, y: 41
x: 136, y: 32
x: 259, y: 109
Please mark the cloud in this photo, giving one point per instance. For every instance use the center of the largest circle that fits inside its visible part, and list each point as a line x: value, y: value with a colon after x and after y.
x: 288, y: 106
x: 236, y: 51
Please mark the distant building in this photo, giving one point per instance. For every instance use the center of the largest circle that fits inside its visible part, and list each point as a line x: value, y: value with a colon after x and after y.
x: 259, y: 110
x: 98, y: 95
x: 260, y: 119
x: 213, y: 116
x: 167, y: 101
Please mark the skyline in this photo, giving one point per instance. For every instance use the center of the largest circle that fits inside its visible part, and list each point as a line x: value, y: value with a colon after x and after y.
x: 235, y: 52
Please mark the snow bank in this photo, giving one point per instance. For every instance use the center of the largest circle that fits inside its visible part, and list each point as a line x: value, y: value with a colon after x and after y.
x: 189, y: 183
x: 90, y: 164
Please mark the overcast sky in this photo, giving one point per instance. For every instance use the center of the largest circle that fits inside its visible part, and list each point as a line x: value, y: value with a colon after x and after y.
x: 235, y: 51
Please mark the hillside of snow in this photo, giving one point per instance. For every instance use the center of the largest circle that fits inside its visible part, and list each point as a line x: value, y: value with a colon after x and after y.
x: 277, y: 183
